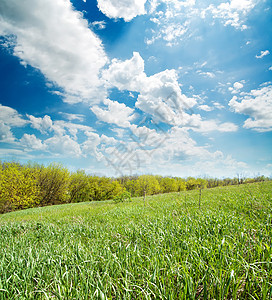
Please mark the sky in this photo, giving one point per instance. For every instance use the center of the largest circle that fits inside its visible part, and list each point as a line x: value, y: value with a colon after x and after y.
x: 123, y: 87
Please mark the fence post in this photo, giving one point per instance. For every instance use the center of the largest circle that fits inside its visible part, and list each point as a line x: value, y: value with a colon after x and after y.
x: 199, y: 201
x: 144, y: 198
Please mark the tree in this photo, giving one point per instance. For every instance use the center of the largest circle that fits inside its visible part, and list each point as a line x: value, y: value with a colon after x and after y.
x: 79, y: 187
x: 168, y: 185
x: 147, y: 184
x: 103, y: 188
x: 18, y: 187
x: 53, y: 182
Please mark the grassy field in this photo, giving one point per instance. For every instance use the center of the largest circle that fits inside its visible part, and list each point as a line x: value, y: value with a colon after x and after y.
x: 169, y: 249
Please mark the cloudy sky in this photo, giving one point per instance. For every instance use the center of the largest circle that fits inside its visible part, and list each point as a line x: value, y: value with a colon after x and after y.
x: 119, y: 87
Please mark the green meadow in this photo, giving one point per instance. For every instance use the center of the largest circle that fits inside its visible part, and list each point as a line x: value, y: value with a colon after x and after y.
x: 169, y: 247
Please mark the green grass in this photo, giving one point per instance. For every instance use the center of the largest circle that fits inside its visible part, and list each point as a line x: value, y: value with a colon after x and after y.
x: 169, y: 249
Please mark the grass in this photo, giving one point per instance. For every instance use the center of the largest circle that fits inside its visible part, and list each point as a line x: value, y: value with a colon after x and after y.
x: 169, y: 249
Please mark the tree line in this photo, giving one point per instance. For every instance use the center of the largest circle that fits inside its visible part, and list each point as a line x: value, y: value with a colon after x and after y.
x: 30, y: 185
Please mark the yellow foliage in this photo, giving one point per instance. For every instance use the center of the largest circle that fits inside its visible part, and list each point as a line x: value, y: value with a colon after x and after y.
x: 18, y: 187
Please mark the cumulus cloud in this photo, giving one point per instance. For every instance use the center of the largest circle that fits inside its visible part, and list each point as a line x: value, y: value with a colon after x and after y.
x: 31, y: 142
x: 52, y: 37
x: 232, y: 13
x: 258, y: 105
x: 89, y: 147
x: 9, y: 118
x: 63, y: 145
x: 263, y: 53
x: 237, y: 86
x: 43, y: 124
x: 116, y: 113
x: 126, y: 75
x: 6, y: 134
x: 61, y: 127
x: 159, y: 95
x: 126, y: 9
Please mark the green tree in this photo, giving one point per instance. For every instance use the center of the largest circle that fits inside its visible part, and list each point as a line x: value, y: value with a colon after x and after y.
x: 147, y: 184
x: 103, y: 188
x: 168, y: 185
x: 53, y: 182
x: 18, y: 187
x: 181, y: 184
x: 79, y: 187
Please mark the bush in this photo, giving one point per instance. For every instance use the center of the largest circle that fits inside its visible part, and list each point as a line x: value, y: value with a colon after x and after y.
x: 123, y: 197
x: 18, y: 187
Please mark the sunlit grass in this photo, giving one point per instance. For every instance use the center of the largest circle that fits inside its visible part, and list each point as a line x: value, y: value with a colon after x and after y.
x: 167, y: 249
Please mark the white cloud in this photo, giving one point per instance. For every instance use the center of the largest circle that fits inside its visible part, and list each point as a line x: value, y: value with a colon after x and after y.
x: 173, y: 22
x: 206, y: 74
x: 63, y: 145
x: 31, y: 142
x: 116, y: 113
x: 205, y: 107
x: 172, y: 152
x: 172, y: 33
x: 44, y: 124
x: 90, y: 146
x: 52, y: 37
x: 258, y: 105
x: 232, y: 13
x: 159, y: 95
x: 71, y: 117
x: 270, y: 69
x: 263, y: 53
x: 61, y: 128
x: 126, y: 9
x: 126, y: 75
x: 213, y: 167
x: 6, y: 135
x: 237, y: 86
x: 218, y: 105
x: 9, y: 118
x: 213, y: 125
x: 99, y: 24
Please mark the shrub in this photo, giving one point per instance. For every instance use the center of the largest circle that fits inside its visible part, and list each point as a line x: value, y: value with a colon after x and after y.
x: 123, y: 197
x: 18, y: 187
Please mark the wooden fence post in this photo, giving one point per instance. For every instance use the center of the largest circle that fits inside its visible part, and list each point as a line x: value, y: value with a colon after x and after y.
x: 144, y: 198
x: 199, y: 201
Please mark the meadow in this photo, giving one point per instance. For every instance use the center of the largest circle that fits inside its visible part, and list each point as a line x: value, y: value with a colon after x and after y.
x: 165, y: 248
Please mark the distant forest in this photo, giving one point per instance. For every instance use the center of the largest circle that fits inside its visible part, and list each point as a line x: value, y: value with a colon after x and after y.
x: 30, y: 185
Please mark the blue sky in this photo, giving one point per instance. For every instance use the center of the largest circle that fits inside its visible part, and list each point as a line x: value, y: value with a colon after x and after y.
x: 168, y: 87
